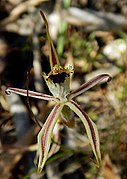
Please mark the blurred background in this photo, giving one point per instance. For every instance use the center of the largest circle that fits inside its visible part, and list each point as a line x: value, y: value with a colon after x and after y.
x: 91, y: 35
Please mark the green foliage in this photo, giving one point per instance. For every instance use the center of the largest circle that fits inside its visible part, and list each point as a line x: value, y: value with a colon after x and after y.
x: 86, y: 48
x: 61, y: 38
x: 123, y: 35
x: 66, y: 3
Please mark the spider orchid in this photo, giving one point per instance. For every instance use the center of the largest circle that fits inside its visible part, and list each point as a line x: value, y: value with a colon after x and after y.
x: 58, y: 82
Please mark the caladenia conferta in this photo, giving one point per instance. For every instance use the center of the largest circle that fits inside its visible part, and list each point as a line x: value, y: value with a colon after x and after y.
x: 58, y: 82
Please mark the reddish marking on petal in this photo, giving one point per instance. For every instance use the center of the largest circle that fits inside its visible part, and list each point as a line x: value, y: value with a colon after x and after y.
x: 92, y: 81
x: 53, y: 57
x: 86, y: 86
x: 44, y: 136
x: 30, y: 93
x: 89, y: 123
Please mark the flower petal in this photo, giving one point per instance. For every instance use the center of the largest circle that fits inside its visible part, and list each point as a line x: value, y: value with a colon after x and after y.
x: 52, y: 55
x: 91, y: 129
x: 30, y: 93
x: 88, y: 85
x: 45, y: 134
x: 56, y: 139
x: 67, y: 117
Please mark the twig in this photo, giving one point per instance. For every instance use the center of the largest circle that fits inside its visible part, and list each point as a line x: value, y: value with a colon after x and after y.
x: 20, y: 9
x: 28, y: 104
x: 9, y: 160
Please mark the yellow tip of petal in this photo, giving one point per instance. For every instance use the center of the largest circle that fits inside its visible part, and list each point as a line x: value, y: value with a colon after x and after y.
x: 39, y: 170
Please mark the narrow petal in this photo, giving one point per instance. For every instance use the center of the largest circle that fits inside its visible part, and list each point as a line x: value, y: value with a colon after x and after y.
x: 52, y: 55
x: 56, y: 139
x: 30, y: 93
x: 45, y: 134
x: 91, y: 129
x: 88, y: 85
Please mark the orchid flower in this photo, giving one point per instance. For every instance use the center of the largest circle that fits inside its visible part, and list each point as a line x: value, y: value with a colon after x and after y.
x: 58, y: 82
